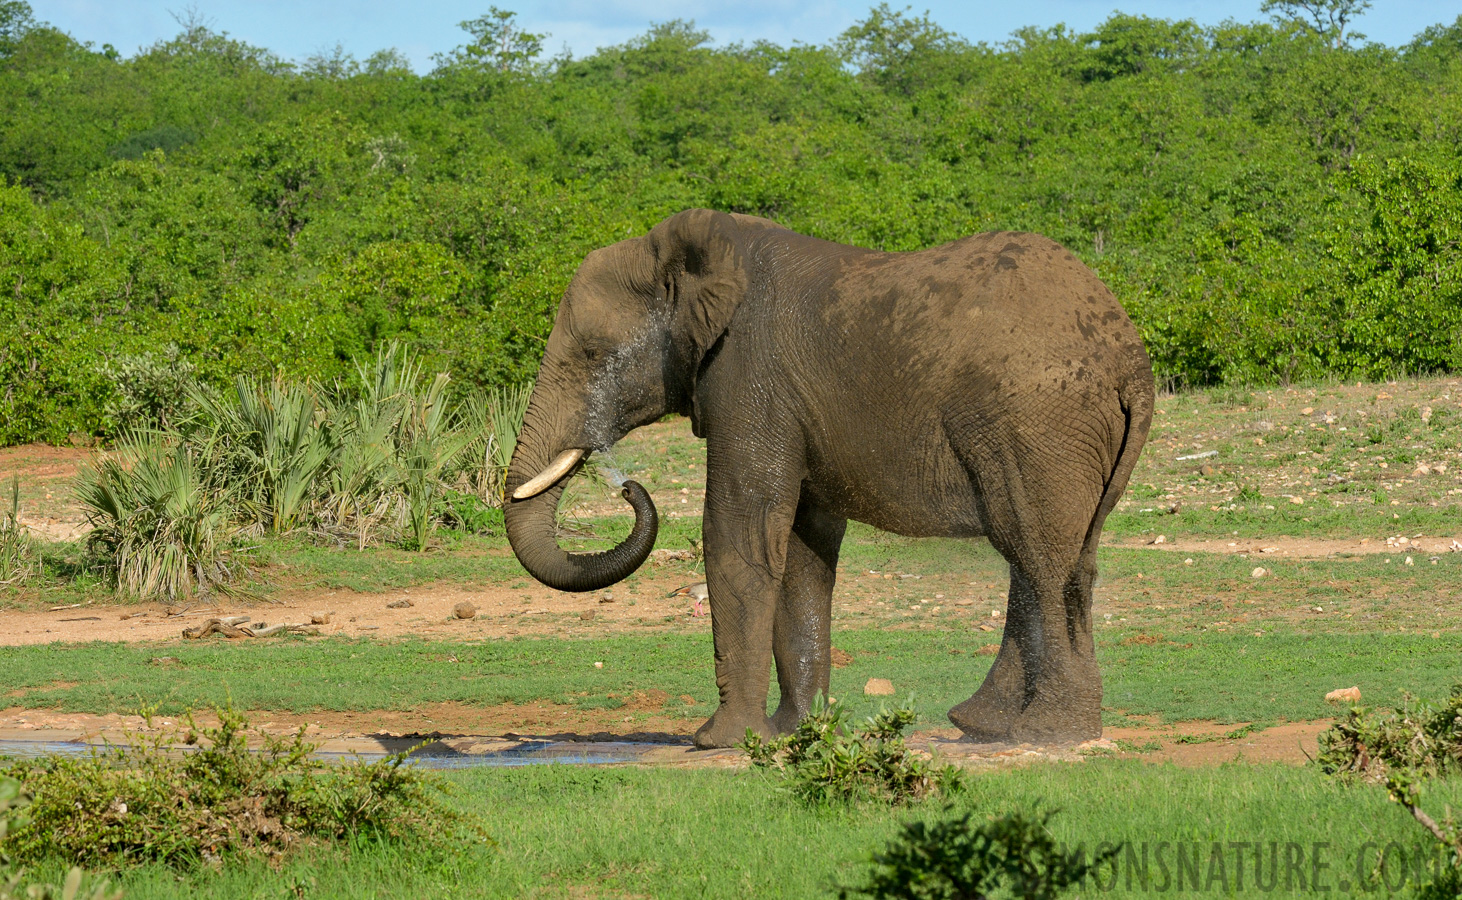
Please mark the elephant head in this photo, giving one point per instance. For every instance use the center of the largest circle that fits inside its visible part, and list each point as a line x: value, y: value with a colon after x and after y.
x: 632, y: 330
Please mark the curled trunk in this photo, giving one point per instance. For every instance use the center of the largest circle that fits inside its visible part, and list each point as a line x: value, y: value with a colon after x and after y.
x: 531, y: 531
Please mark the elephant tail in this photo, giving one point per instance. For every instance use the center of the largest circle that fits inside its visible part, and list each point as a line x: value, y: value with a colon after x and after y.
x: 1136, y: 397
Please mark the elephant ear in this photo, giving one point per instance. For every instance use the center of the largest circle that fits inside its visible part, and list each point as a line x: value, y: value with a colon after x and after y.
x: 702, y: 259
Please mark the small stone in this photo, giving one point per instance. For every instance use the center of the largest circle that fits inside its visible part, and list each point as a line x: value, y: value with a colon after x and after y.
x: 878, y: 687
x: 1297, y: 501
x: 1188, y: 561
x: 1409, y: 562
x: 1344, y: 695
x: 1307, y: 410
x: 1206, y: 470
x: 464, y: 610
x: 598, y: 665
x: 587, y: 615
x: 1160, y: 539
x: 320, y: 618
x: 1259, y: 572
x: 404, y: 604
x: 607, y: 598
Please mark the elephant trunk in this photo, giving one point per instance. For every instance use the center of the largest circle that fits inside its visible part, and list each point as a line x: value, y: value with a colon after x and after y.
x: 531, y: 529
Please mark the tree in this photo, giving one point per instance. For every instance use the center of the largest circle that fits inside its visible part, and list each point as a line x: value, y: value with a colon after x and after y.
x: 1327, y: 18
x: 498, y: 44
x: 896, y: 48
x: 15, y: 20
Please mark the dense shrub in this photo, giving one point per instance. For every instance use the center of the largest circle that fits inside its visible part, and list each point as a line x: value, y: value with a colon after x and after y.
x: 824, y: 760
x: 218, y: 800
x: 1402, y: 748
x: 1013, y: 855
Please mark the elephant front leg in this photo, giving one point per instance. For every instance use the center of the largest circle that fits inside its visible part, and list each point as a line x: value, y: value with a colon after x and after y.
x: 802, y: 632
x: 746, y: 542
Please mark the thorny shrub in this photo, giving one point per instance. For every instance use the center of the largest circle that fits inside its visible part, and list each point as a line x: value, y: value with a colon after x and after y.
x: 149, y: 803
x: 1013, y: 855
x: 1401, y: 748
x: 824, y: 761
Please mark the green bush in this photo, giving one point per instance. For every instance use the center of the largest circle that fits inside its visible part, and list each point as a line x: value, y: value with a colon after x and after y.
x: 151, y: 393
x: 14, y: 803
x: 1402, y: 748
x: 159, y: 525
x: 218, y: 800
x: 824, y: 761
x: 1013, y: 855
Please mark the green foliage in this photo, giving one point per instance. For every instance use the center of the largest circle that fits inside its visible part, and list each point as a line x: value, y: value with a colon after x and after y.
x: 1402, y: 748
x: 1418, y: 736
x: 159, y: 524
x: 150, y: 393
x: 220, y: 800
x: 1012, y: 855
x: 824, y: 762
x: 1266, y: 198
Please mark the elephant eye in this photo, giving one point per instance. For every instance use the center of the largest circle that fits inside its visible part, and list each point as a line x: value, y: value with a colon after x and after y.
x: 594, y: 354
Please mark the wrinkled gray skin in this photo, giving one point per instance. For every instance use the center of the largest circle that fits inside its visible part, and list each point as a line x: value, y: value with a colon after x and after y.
x: 992, y: 386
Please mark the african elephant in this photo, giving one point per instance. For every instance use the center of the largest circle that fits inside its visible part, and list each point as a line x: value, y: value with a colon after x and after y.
x: 992, y: 386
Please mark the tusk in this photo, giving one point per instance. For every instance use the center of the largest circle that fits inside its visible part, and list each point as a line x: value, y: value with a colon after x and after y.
x: 550, y: 476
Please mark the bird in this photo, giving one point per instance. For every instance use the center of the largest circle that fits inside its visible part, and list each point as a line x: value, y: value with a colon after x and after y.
x: 699, y: 592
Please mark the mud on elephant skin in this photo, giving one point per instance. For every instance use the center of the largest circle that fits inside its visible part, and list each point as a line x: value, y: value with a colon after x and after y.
x: 992, y: 386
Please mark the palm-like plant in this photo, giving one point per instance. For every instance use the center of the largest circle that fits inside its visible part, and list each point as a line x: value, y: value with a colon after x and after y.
x: 159, y: 526
x: 266, y: 438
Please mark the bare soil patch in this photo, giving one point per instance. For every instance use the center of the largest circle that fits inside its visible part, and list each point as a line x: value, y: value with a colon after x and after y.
x: 502, y: 610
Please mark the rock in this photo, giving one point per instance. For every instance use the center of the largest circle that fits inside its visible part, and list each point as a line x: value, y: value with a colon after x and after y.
x: 1297, y: 501
x: 320, y: 618
x: 464, y: 610
x: 841, y: 658
x: 1206, y: 470
x: 1259, y: 572
x: 587, y: 615
x: 405, y: 604
x: 1160, y: 539
x: 598, y: 665
x: 1344, y: 695
x: 878, y: 687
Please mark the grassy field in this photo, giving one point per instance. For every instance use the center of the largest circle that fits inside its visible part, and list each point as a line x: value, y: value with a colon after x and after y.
x: 1191, y: 636
x: 1222, y: 677
x: 564, y: 832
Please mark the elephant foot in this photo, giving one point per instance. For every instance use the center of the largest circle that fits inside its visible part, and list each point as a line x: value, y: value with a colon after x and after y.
x: 786, y: 719
x: 727, y: 729
x: 1060, y: 712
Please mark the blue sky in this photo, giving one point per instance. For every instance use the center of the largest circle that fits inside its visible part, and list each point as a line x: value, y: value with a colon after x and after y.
x: 296, y: 29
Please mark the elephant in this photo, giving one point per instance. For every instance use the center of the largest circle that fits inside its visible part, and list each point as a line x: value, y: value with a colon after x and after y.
x: 992, y: 386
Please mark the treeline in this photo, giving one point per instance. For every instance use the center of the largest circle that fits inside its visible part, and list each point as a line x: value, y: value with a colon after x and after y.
x: 1271, y: 200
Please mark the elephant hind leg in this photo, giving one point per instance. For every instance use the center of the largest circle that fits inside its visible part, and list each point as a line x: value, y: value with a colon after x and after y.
x: 802, y: 632
x: 1044, y: 685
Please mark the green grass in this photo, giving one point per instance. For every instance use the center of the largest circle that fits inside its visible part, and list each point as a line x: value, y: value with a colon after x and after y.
x: 1224, y: 677
x: 623, y: 832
